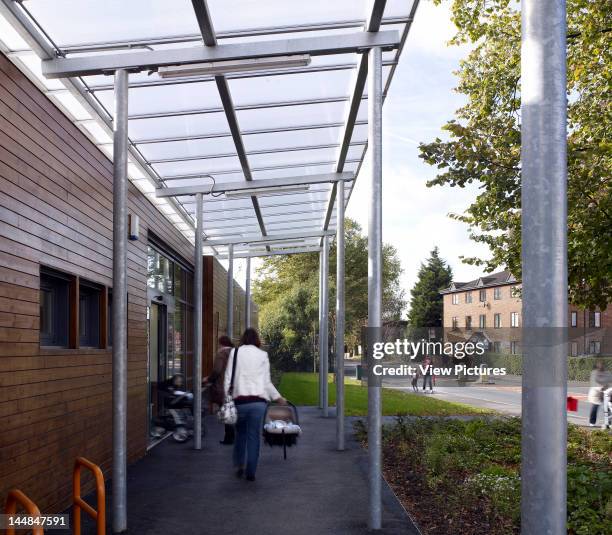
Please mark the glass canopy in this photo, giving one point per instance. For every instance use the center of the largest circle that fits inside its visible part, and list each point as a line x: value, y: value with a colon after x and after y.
x: 291, y: 122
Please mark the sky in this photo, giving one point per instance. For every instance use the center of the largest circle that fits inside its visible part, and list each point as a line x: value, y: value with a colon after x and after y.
x: 421, y: 99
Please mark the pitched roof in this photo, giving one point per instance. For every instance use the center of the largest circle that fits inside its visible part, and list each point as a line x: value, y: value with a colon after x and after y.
x: 485, y: 281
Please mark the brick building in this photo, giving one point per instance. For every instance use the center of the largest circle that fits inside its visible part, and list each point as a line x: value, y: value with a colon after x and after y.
x: 490, y: 307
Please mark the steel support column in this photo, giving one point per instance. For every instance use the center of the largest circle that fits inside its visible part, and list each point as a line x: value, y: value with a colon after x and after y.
x: 544, y: 267
x: 324, y: 327
x: 375, y: 275
x: 230, y: 291
x: 247, y: 294
x: 320, y: 327
x: 340, y: 317
x: 119, y: 311
x: 197, y: 328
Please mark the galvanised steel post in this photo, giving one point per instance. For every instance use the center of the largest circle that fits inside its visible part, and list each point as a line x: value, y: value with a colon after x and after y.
x: 119, y: 311
x: 375, y: 275
x: 197, y: 328
x: 320, y: 328
x: 544, y: 267
x: 247, y: 294
x: 230, y: 292
x: 325, y: 326
x: 340, y: 316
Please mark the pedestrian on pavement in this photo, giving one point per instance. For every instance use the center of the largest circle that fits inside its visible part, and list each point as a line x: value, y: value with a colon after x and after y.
x: 215, y: 380
x: 428, y: 374
x: 252, y: 389
x: 600, y: 382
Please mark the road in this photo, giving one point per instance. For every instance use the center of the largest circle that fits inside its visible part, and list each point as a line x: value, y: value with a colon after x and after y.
x: 503, y: 396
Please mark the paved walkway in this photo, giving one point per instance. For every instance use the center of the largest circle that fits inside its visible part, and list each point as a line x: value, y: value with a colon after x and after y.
x: 317, y: 490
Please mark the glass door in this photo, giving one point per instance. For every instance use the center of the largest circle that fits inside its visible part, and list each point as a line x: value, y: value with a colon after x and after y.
x: 158, y: 366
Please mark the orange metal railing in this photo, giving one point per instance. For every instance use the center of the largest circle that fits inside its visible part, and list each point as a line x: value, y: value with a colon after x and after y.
x: 17, y: 497
x: 78, y: 503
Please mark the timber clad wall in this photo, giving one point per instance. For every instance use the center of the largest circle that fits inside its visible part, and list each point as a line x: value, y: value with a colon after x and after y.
x: 56, y: 211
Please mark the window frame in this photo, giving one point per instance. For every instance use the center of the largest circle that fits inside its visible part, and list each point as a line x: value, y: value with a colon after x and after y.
x: 468, y: 323
x: 497, y: 320
x: 515, y: 320
x: 482, y: 321
x: 90, y: 318
x: 497, y: 294
x: 482, y: 295
x: 54, y: 281
x: 573, y: 318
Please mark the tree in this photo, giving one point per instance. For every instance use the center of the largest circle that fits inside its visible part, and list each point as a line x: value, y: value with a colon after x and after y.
x: 484, y: 139
x: 287, y: 293
x: 426, y: 301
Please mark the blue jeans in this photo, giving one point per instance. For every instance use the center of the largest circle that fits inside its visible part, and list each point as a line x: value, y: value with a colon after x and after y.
x: 248, y: 435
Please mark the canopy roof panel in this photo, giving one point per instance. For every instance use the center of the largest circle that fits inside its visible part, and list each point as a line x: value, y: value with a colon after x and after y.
x: 242, y: 126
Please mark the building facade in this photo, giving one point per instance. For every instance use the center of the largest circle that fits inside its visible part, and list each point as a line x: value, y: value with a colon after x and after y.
x: 56, y: 296
x: 491, y: 307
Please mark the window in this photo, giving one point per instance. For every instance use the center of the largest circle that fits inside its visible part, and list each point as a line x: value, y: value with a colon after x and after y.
x: 89, y: 314
x: 514, y: 319
x: 497, y: 347
x: 482, y: 296
x: 595, y: 319
x: 574, y: 349
x: 468, y: 322
x: 455, y: 322
x: 595, y: 347
x: 482, y: 321
x: 497, y: 321
x: 54, y: 308
x: 455, y: 299
x: 574, y: 319
x: 468, y: 297
x: 514, y: 347
x: 497, y: 292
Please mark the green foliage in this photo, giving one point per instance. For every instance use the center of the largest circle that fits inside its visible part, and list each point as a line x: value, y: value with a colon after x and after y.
x: 483, y: 144
x: 463, y: 476
x: 426, y: 302
x: 286, y: 291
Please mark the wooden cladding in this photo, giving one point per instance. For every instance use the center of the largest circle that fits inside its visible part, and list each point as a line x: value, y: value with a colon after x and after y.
x: 56, y: 211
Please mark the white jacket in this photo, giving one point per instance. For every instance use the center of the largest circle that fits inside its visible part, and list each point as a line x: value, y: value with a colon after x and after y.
x: 252, y: 376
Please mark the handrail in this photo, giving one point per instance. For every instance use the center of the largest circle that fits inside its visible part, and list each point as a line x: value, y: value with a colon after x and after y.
x: 15, y: 497
x: 78, y: 503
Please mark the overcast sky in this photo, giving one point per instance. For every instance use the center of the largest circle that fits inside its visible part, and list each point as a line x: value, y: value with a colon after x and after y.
x: 420, y: 101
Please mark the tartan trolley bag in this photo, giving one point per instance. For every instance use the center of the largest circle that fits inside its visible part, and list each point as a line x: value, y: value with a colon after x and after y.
x: 281, y: 426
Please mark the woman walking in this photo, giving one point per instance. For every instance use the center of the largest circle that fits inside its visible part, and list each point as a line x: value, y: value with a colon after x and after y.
x: 251, y: 389
x: 215, y: 379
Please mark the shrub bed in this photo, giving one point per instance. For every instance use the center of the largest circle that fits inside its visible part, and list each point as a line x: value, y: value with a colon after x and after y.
x: 463, y: 477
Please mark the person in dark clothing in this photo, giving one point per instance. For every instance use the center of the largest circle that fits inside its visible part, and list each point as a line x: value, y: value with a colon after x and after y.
x: 215, y: 379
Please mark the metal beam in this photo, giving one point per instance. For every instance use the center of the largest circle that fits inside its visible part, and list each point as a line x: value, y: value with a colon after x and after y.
x: 244, y: 133
x: 375, y: 269
x: 270, y: 238
x: 215, y: 173
x: 119, y: 308
x: 139, y: 61
x: 230, y: 293
x: 244, y: 107
x: 324, y: 327
x: 544, y: 267
x: 340, y: 319
x: 80, y: 48
x: 275, y: 150
x: 273, y: 252
x: 256, y: 184
x: 198, y: 285
x: 247, y: 294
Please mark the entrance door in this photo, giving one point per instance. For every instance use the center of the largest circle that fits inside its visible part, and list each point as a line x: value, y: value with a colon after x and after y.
x: 158, y: 364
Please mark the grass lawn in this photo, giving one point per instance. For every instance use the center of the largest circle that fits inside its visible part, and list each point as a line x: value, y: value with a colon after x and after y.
x: 303, y: 389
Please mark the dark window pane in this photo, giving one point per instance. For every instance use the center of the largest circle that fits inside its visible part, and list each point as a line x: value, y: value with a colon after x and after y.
x: 89, y: 315
x: 54, y: 309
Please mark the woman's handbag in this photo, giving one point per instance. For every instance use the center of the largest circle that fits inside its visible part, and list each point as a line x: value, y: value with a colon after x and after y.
x: 228, y: 414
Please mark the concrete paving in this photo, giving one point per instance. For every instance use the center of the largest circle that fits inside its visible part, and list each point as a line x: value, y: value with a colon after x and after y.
x: 317, y: 490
